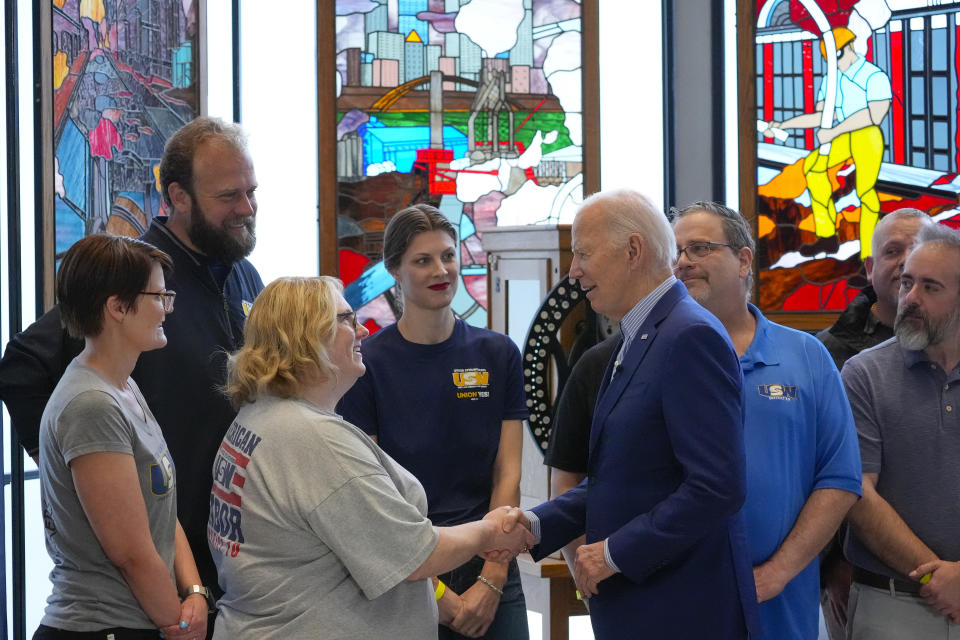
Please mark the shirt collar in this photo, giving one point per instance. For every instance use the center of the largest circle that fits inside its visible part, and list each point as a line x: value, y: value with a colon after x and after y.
x: 912, y: 357
x: 631, y: 322
x: 762, y: 349
x: 855, y: 66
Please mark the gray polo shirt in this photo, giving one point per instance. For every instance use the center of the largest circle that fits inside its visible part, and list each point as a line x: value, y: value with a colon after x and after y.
x: 907, y: 412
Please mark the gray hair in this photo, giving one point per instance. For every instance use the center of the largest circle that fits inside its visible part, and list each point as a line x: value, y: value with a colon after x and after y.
x: 628, y: 212
x: 903, y: 213
x: 736, y: 229
x: 938, y: 234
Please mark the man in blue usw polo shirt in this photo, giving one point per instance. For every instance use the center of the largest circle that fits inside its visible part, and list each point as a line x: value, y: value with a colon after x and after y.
x: 803, y: 462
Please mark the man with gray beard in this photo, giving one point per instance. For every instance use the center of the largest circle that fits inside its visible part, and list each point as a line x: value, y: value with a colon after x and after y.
x: 904, y: 541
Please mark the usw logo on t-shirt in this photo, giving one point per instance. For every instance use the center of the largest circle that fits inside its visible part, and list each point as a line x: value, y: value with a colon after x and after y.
x: 471, y: 379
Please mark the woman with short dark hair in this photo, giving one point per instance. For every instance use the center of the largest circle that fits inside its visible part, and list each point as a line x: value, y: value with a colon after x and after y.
x: 106, y: 478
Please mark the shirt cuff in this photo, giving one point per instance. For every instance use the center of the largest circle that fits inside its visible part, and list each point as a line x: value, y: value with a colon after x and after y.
x: 534, y: 525
x: 606, y: 555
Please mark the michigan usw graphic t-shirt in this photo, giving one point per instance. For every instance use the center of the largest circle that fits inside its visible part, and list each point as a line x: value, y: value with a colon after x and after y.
x: 86, y: 415
x: 314, y: 530
x: 438, y: 409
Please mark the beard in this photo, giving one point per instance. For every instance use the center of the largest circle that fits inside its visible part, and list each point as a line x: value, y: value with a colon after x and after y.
x: 218, y: 242
x: 930, y: 332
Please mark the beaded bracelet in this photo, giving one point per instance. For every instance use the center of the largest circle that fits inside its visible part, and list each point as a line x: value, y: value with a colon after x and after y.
x: 491, y: 585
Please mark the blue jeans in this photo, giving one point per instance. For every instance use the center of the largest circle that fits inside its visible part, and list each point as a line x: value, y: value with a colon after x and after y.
x: 510, y: 623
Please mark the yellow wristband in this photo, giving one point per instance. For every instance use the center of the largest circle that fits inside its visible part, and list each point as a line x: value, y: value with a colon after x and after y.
x: 440, y: 590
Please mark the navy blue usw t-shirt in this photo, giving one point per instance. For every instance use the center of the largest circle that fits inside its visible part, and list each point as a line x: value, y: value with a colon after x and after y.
x: 437, y: 409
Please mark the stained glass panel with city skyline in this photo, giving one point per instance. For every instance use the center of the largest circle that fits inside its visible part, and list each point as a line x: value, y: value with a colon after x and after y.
x: 473, y: 106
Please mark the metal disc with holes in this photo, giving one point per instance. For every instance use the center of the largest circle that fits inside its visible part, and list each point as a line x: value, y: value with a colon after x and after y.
x: 542, y: 347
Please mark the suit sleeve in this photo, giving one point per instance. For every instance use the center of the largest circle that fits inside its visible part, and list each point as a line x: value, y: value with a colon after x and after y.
x: 567, y: 517
x: 32, y: 364
x: 702, y: 409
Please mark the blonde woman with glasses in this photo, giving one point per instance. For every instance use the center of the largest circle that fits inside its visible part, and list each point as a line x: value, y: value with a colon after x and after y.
x: 315, y: 531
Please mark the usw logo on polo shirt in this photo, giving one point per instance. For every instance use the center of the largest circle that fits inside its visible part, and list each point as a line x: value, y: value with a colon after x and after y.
x: 778, y: 391
x: 471, y: 379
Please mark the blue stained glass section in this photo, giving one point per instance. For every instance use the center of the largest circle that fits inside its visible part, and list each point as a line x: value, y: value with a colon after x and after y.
x: 73, y: 157
x: 467, y: 227
x: 69, y: 226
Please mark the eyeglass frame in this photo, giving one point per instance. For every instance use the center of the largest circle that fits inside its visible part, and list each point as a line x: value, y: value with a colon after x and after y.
x: 165, y: 295
x: 346, y: 315
x: 708, y: 244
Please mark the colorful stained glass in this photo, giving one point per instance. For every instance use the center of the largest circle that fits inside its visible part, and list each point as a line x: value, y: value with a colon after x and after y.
x: 124, y: 81
x: 473, y: 106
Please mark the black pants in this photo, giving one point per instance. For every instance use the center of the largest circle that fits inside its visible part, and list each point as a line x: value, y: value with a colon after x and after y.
x: 44, y: 632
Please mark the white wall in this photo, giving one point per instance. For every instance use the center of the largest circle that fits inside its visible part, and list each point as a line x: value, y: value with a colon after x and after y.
x: 278, y: 95
x: 220, y: 59
x: 631, y: 97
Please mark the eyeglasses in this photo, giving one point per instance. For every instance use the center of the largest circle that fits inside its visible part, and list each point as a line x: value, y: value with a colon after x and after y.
x: 166, y: 296
x: 348, y: 316
x: 697, y: 251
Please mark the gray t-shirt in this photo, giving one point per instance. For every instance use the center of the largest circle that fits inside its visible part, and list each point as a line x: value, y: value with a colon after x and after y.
x: 907, y: 412
x: 86, y: 415
x: 314, y: 529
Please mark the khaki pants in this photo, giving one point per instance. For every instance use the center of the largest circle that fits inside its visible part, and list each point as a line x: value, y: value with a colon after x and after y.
x: 874, y: 614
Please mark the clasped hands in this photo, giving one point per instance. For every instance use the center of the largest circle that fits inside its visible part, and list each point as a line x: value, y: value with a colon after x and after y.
x: 942, y: 590
x: 508, y: 540
x: 193, y: 616
x: 590, y: 568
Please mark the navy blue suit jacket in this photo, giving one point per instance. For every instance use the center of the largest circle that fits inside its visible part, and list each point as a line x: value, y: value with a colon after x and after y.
x: 665, y: 484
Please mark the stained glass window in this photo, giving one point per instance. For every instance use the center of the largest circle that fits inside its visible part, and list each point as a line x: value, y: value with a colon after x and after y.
x: 889, y: 140
x: 473, y: 107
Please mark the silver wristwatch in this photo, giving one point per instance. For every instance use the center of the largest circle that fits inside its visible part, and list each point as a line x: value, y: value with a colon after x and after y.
x: 202, y: 590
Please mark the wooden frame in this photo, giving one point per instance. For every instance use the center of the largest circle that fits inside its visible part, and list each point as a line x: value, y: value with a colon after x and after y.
x: 746, y: 103
x: 109, y: 130
x: 327, y: 114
